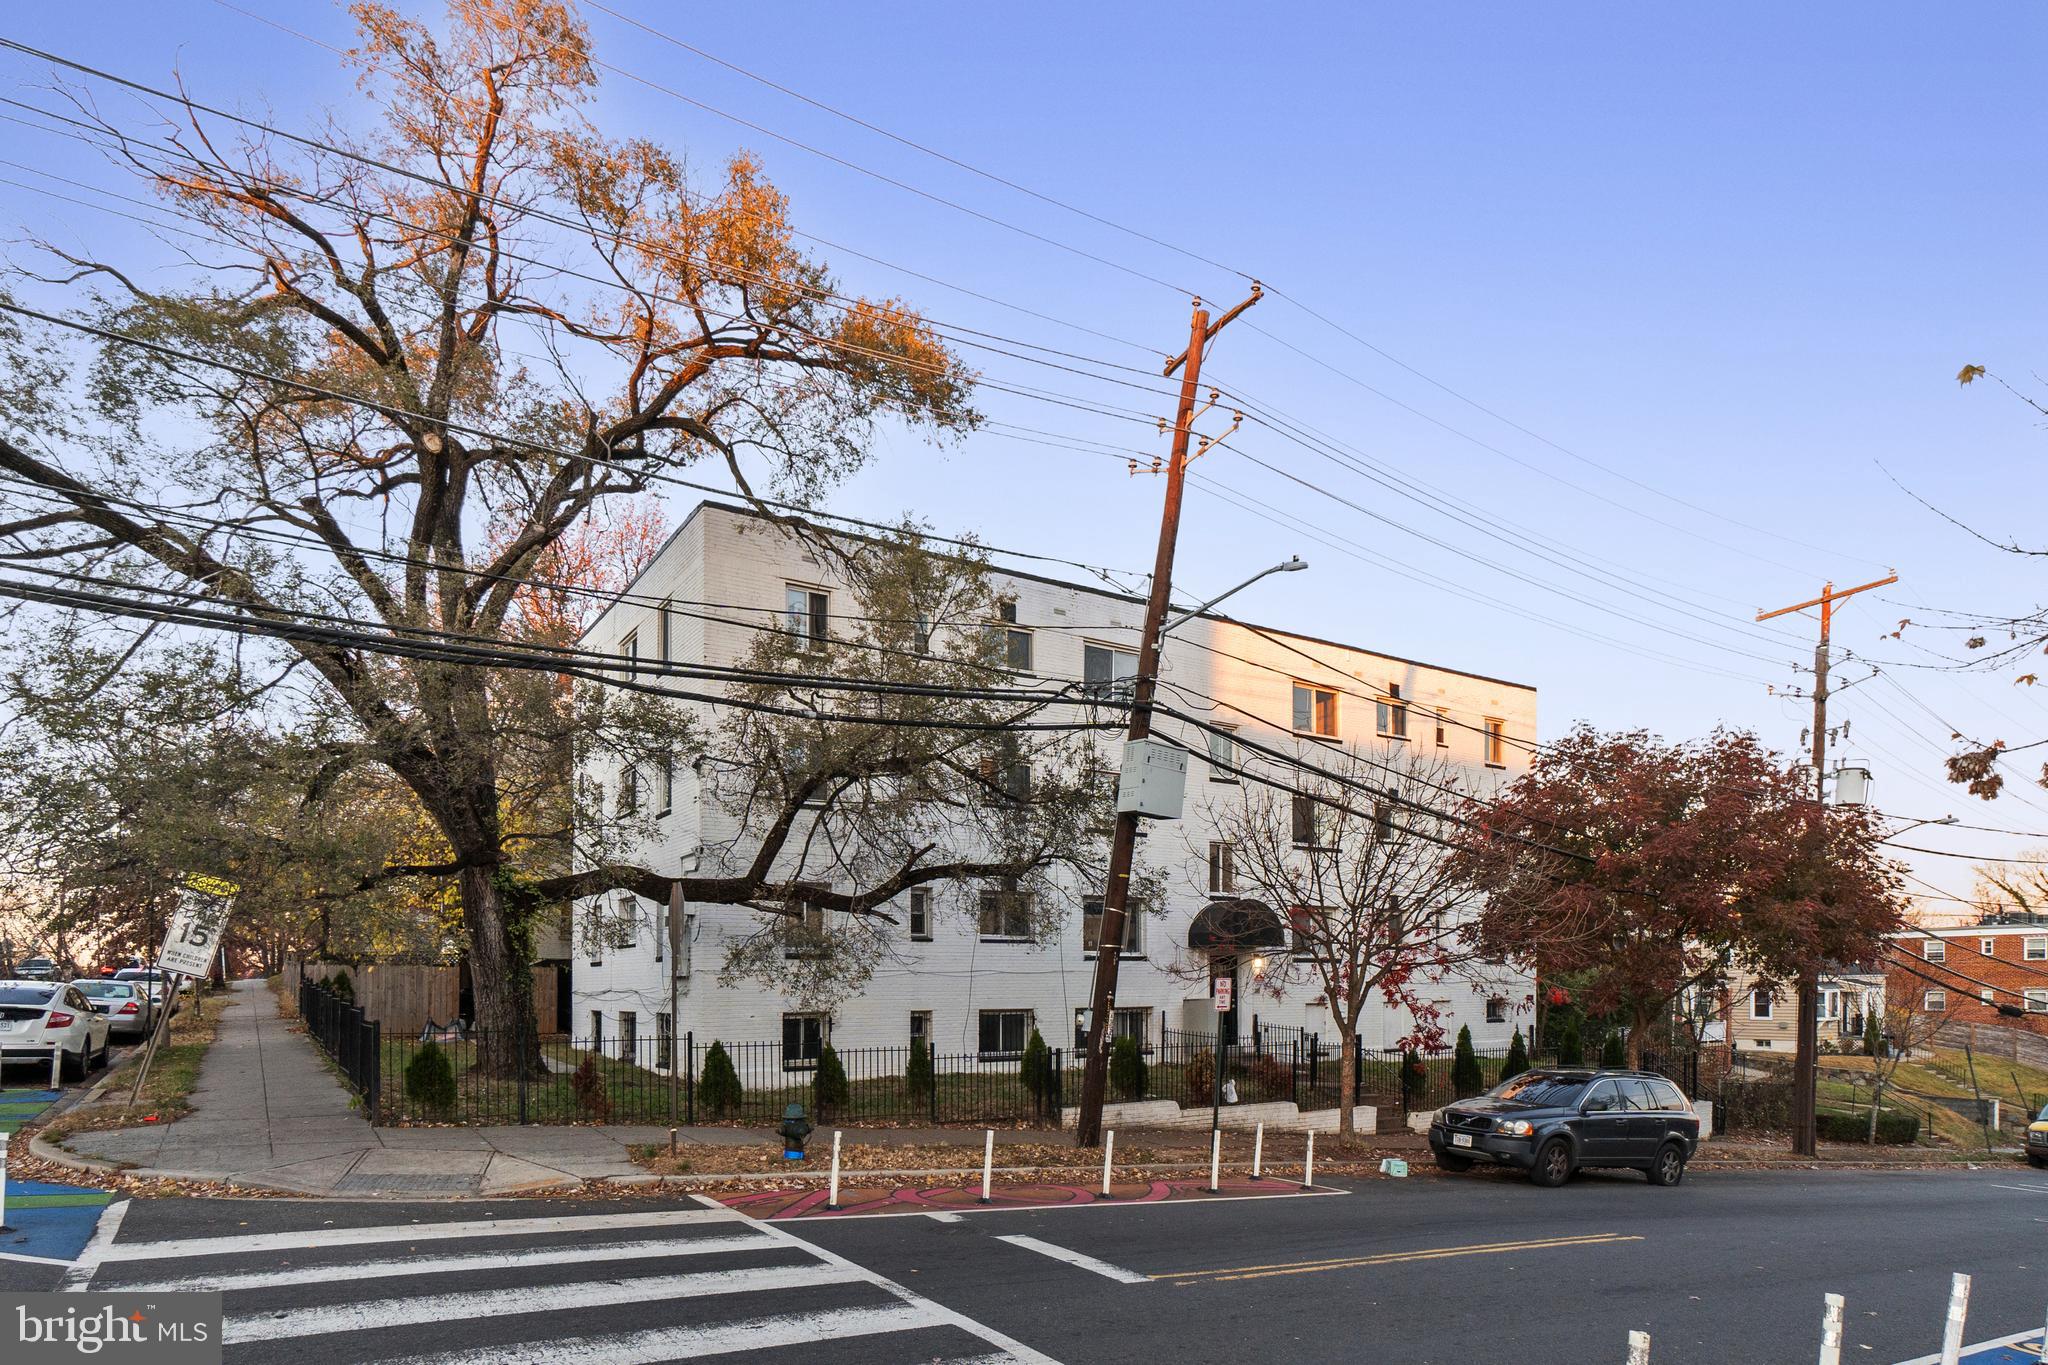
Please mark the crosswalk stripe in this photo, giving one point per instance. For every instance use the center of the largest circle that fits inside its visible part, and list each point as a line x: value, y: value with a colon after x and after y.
x: 591, y: 1253
x: 1078, y: 1258
x: 368, y: 1315
x: 691, y: 1343
x: 324, y: 1237
x: 102, y: 1243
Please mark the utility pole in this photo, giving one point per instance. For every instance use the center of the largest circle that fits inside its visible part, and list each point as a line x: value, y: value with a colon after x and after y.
x: 1123, y: 843
x: 1804, y: 1062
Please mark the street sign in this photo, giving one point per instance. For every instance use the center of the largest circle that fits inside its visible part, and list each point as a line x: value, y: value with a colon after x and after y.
x: 1224, y: 986
x: 196, y: 926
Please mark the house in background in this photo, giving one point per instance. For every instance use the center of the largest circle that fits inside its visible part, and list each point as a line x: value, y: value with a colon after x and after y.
x: 1992, y: 972
x: 960, y: 976
x: 1763, y: 1018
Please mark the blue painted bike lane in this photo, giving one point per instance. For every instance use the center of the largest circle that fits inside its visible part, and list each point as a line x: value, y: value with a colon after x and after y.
x: 44, y: 1222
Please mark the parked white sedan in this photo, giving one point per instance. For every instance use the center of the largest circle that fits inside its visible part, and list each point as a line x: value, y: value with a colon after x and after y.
x: 127, y: 1005
x: 38, y: 1015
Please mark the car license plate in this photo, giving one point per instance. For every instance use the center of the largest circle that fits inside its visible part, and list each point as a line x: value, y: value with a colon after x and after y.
x: 1461, y: 1139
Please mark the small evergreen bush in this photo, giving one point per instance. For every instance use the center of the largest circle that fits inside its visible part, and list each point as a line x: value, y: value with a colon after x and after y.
x: 342, y: 986
x: 591, y: 1097
x: 1613, y: 1053
x: 1035, y: 1070
x: 1127, y: 1069
x: 1571, y: 1051
x: 828, y: 1084
x: 1518, y: 1058
x: 718, y: 1089
x: 917, y: 1076
x: 1414, y: 1076
x: 1466, y: 1077
x: 430, y: 1079
x: 1873, y: 1035
x: 1198, y: 1074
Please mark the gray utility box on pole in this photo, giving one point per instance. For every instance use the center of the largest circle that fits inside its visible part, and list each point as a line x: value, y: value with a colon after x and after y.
x: 1153, y: 780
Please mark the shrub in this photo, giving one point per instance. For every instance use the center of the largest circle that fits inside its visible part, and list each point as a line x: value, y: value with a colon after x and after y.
x: 1873, y: 1035
x: 588, y: 1085
x: 1570, y: 1050
x: 1518, y: 1058
x: 1613, y: 1053
x: 1271, y: 1076
x: 430, y: 1078
x: 1127, y: 1069
x: 1035, y: 1070
x: 340, y: 984
x: 1895, y: 1127
x: 917, y: 1076
x: 718, y: 1089
x: 1198, y: 1072
x: 828, y: 1084
x: 1466, y: 1077
x: 1413, y: 1075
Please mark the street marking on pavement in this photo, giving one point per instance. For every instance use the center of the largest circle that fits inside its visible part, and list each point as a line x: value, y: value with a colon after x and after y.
x: 1075, y: 1258
x: 690, y: 1343
x: 1260, y: 1272
x: 88, y: 1262
x: 1011, y: 1349
x: 580, y: 1253
x: 945, y: 1217
x: 323, y: 1237
x: 2025, y: 1189
x: 370, y: 1314
x: 2021, y: 1348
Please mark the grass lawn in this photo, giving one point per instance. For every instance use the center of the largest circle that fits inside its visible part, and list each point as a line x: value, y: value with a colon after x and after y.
x: 168, y: 1091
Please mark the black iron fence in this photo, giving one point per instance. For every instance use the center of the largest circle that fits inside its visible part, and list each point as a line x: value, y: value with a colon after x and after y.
x: 347, y: 1036
x: 476, y: 1078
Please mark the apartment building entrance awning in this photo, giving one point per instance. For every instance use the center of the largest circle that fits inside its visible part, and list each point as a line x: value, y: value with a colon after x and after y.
x: 1236, y: 926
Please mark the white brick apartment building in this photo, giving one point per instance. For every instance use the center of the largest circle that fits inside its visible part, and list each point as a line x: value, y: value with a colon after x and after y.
x: 963, y: 991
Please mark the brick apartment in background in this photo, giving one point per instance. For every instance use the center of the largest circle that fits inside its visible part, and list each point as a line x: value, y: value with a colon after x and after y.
x: 1965, y: 973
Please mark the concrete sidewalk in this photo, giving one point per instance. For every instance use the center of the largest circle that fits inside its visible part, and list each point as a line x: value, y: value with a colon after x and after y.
x: 269, y: 1113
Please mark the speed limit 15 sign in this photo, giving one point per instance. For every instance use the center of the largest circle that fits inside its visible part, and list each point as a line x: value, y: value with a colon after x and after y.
x: 195, y: 932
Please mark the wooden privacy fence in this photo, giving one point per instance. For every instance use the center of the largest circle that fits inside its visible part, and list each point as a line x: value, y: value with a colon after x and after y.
x: 405, y: 996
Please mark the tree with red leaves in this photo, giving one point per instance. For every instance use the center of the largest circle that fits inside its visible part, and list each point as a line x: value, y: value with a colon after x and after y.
x: 1643, y: 868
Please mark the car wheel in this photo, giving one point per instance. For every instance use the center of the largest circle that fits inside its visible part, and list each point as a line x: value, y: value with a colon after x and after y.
x: 1450, y: 1161
x: 1669, y: 1167
x: 2037, y: 1161
x: 106, y: 1047
x: 73, y: 1070
x: 1553, y: 1164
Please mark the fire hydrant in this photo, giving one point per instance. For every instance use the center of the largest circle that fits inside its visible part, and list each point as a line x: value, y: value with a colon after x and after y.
x: 795, y: 1129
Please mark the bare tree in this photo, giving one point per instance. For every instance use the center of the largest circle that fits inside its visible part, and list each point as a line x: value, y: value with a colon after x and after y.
x: 1366, y: 884
x: 1904, y: 1030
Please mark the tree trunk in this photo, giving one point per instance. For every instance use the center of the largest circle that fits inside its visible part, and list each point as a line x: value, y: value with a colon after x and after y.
x: 1876, y: 1102
x: 1347, y: 1085
x: 1638, y: 1030
x: 501, y: 978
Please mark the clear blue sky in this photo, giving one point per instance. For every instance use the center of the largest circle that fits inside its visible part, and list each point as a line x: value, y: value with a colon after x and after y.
x: 1713, y: 265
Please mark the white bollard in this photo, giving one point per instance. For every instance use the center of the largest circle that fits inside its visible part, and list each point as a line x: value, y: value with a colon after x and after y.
x: 1958, y: 1310
x: 1215, y: 1157
x: 2044, y: 1344
x: 988, y: 1165
x: 832, y: 1194
x: 1108, y: 1154
x: 1308, y: 1163
x: 3, y: 1184
x: 56, y: 1066
x: 1831, y: 1331
x: 1258, y: 1149
x: 1638, y: 1348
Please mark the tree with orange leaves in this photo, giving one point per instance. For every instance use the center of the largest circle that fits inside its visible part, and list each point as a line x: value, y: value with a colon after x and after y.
x: 403, y: 374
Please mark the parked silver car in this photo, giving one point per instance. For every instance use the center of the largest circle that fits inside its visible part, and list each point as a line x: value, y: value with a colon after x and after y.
x: 130, y: 1011
x: 156, y: 983
x: 38, y: 1015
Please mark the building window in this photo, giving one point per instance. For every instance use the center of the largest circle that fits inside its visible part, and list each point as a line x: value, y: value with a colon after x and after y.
x: 1003, y: 1032
x: 1443, y: 728
x: 594, y: 932
x: 1223, y: 760
x: 2037, y: 1002
x: 803, y: 1038
x: 1005, y: 912
x: 1315, y: 711
x: 921, y: 915
x: 1496, y: 743
x: 1305, y: 923
x: 1107, y: 672
x: 665, y: 785
x: 1385, y: 829
x: 1761, y: 1004
x: 1934, y: 1002
x: 1309, y: 820
x: 921, y: 634
x: 660, y: 918
x: 807, y: 930
x: 1091, y: 926
x: 597, y: 1030
x: 1497, y: 1010
x: 807, y: 614
x: 1985, y: 996
x: 1012, y: 640
x: 921, y: 1028
x: 1935, y: 950
x: 1135, y: 1024
x: 665, y: 629
x: 1008, y: 773
x: 629, y: 790
x: 1828, y: 1005
x: 664, y: 1041
x: 1391, y: 714
x: 629, y: 650
x: 1987, y: 947
x: 629, y: 1036
x: 1222, y: 868
x: 2034, y: 949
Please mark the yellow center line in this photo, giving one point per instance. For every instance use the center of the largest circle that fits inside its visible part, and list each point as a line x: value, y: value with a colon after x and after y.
x: 1257, y: 1272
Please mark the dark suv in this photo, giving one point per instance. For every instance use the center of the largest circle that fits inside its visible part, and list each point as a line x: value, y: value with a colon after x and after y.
x: 1550, y: 1123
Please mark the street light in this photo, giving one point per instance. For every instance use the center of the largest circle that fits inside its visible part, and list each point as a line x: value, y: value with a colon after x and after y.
x: 1293, y: 564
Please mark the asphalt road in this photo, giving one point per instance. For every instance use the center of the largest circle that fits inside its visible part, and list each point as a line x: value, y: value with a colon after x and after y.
x: 1729, y: 1267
